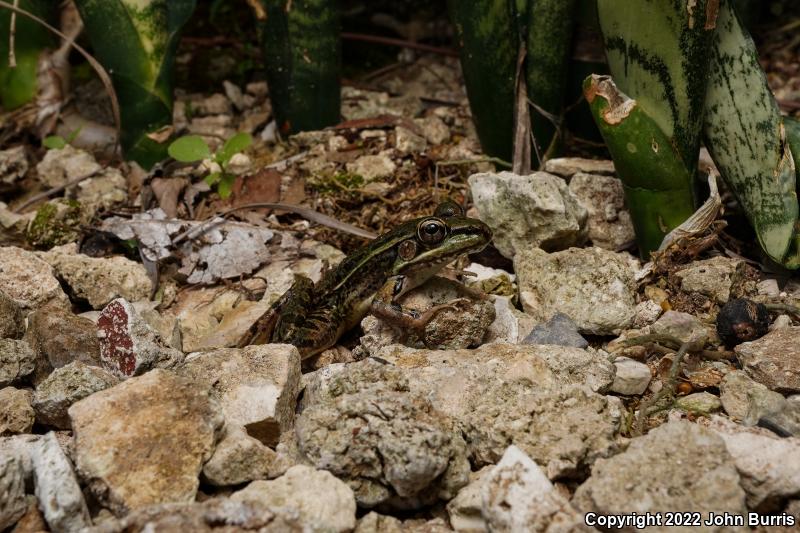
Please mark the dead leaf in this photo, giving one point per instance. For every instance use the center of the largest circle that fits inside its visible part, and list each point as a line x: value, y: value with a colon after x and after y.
x: 264, y: 186
x: 162, y: 135
x: 167, y: 191
x: 294, y: 192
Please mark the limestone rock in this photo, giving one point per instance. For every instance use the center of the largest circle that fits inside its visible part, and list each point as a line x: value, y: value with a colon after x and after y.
x: 69, y: 163
x: 28, y: 280
x: 609, y: 224
x: 12, y: 320
x: 594, y: 287
x: 321, y: 502
x: 17, y: 361
x: 12, y: 490
x: 683, y: 326
x: 128, y: 345
x: 560, y: 330
x: 528, y: 211
x: 65, y: 386
x: 239, y: 458
x: 372, y: 167
x: 712, y: 277
x: 99, y: 280
x: 677, y: 466
x: 701, y: 403
x: 388, y: 443
x: 170, y: 427
x: 58, y: 338
x: 631, y: 377
x: 16, y: 415
x: 774, y: 359
x: 569, y: 166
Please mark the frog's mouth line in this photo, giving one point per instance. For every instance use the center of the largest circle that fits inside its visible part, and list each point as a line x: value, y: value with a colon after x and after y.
x: 462, y: 244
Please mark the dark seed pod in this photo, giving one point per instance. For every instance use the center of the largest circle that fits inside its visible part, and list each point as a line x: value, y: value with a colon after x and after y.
x: 742, y: 320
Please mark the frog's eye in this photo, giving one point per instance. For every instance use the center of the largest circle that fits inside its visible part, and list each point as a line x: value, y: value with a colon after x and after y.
x: 431, y: 231
x: 448, y: 209
x: 407, y: 249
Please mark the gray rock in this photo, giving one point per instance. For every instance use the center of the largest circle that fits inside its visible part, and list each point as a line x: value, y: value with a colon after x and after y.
x: 388, y: 443
x: 509, y: 324
x: 58, y: 338
x: 65, y: 386
x: 465, y: 511
x: 569, y: 166
x: 560, y: 330
x: 12, y: 320
x: 677, y: 466
x: 170, y: 428
x: 128, y: 345
x: 683, y: 326
x: 517, y: 496
x: 239, y: 458
x: 28, y: 280
x: 594, y: 287
x: 646, y: 313
x: 60, y: 497
x: 746, y: 400
x: 256, y: 386
x: 609, y: 224
x: 712, y: 277
x: 699, y: 403
x: 631, y: 377
x: 528, y: 211
x: 17, y: 361
x: 61, y: 166
x: 98, y: 280
x: 372, y: 167
x: 13, y: 165
x: 769, y: 466
x: 774, y: 359
x: 17, y: 415
x: 12, y: 489
x: 321, y: 502
x: 406, y: 141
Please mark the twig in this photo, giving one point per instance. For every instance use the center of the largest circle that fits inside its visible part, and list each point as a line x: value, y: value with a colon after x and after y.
x: 674, y: 342
x: 667, y: 390
x: 793, y: 309
x: 55, y: 190
x: 12, y: 34
x: 377, y: 39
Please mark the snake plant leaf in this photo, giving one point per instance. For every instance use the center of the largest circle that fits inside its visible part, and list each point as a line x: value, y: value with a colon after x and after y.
x: 746, y: 137
x: 302, y: 55
x: 656, y: 181
x: 18, y: 85
x: 136, y: 41
x: 488, y: 44
x: 658, y: 53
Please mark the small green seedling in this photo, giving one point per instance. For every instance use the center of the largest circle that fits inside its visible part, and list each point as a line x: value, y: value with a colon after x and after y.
x: 192, y: 148
x: 57, y: 142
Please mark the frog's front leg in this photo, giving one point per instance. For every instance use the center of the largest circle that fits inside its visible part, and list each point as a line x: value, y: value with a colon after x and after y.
x: 383, y: 306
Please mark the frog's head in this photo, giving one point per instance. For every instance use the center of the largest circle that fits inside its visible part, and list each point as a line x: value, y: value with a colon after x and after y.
x: 432, y: 242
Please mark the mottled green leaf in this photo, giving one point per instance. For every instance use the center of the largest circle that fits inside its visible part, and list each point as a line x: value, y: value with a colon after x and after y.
x: 189, y: 148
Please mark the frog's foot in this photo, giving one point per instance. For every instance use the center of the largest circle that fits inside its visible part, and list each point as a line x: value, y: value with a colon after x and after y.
x: 395, y: 314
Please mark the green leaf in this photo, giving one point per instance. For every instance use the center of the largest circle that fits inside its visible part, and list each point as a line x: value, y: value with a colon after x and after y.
x: 74, y: 135
x: 225, y: 186
x: 189, y: 148
x: 212, y: 178
x: 54, y: 142
x: 233, y: 146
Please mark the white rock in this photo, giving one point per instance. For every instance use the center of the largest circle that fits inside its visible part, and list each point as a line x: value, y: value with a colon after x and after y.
x: 13, y: 164
x: 712, y: 277
x: 323, y: 503
x: 372, y: 167
x: 609, y: 223
x: 646, y: 313
x: 631, y: 378
x: 465, y: 510
x: 28, y: 280
x: 12, y: 489
x: 528, y: 211
x: 69, y: 163
x: 406, y: 141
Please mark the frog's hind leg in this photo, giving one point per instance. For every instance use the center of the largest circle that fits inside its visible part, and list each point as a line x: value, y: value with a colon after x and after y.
x: 283, y: 318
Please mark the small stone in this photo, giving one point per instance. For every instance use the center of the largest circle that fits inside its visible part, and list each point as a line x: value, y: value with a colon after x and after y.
x: 509, y: 324
x: 518, y: 496
x: 774, y: 359
x: 67, y: 164
x: 434, y: 129
x: 465, y: 511
x: 216, y: 104
x: 684, y: 327
x: 528, y: 211
x: 712, y: 277
x: 372, y: 167
x: 569, y: 166
x: 646, y: 313
x: 12, y: 489
x: 60, y: 497
x: 321, y: 502
x: 17, y: 415
x: 746, y: 400
x: 406, y: 141
x: 128, y: 345
x: 781, y: 321
x: 65, y: 386
x: 58, y: 338
x: 17, y: 361
x: 768, y: 287
x: 699, y: 403
x: 594, y: 287
x: 99, y: 280
x: 102, y: 191
x: 239, y: 458
x: 12, y: 320
x: 28, y: 280
x: 678, y: 465
x: 609, y: 224
x: 170, y: 428
x: 13, y: 166
x: 560, y: 330
x: 234, y: 94
x: 631, y: 378
x: 33, y: 520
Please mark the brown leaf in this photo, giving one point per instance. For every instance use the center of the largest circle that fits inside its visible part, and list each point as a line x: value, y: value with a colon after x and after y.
x: 263, y: 186
x: 167, y: 191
